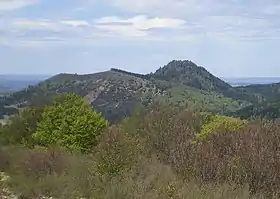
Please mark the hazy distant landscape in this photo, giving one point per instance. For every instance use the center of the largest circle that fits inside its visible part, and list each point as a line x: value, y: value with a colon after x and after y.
x: 251, y: 80
x: 11, y: 83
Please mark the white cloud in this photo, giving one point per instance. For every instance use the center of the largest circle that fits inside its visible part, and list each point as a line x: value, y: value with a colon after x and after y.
x: 44, y: 24
x: 214, y: 16
x: 34, y: 24
x: 75, y: 23
x: 181, y: 20
x: 8, y: 5
x: 28, y: 32
x: 142, y: 22
x: 121, y: 30
x: 138, y: 25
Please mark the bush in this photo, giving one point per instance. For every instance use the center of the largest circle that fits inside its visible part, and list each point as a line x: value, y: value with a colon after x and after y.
x: 118, y: 152
x: 152, y: 156
x: 20, y: 128
x: 168, y: 134
x: 249, y: 156
x: 218, y: 124
x: 52, y: 172
x: 70, y: 122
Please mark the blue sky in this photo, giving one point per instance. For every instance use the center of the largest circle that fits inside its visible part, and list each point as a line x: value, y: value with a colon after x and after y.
x: 229, y: 38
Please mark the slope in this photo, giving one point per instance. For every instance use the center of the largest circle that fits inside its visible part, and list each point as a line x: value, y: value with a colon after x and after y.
x: 116, y: 92
x: 268, y: 105
x: 188, y: 73
x: 264, y: 91
x: 265, y: 110
x: 110, y: 92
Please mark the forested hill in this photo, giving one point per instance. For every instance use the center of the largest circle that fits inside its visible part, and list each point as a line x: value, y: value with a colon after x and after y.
x: 268, y: 105
x: 188, y: 73
x: 115, y: 93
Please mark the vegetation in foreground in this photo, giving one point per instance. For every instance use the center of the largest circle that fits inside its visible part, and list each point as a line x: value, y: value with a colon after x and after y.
x: 153, y: 154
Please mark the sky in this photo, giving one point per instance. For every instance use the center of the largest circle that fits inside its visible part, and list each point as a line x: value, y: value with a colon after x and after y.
x: 230, y: 38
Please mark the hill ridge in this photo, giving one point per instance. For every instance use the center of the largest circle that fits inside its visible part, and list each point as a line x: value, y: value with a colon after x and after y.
x: 115, y: 92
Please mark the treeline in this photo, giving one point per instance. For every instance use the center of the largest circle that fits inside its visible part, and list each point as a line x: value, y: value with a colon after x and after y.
x: 269, y: 109
x: 130, y: 73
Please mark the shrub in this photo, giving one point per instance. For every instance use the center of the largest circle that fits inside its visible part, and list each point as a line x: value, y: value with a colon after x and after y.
x: 249, y: 156
x: 168, y: 134
x: 152, y: 156
x: 50, y: 172
x: 118, y: 151
x: 70, y: 122
x: 218, y: 124
x: 20, y: 128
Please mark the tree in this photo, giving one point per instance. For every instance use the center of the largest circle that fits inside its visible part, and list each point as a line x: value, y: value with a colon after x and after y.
x: 216, y: 124
x: 70, y: 122
x: 20, y: 128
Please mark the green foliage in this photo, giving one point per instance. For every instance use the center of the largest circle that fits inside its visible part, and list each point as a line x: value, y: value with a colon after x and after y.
x: 6, y: 110
x: 118, y: 152
x: 262, y: 92
x: 152, y: 156
x: 57, y: 174
x: 215, y: 124
x: 267, y: 104
x: 266, y: 110
x: 189, y: 74
x: 70, y: 122
x: 181, y: 96
x: 20, y: 127
x: 115, y: 93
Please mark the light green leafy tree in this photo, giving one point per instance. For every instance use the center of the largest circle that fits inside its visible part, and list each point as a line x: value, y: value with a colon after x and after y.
x: 71, y: 123
x: 215, y: 124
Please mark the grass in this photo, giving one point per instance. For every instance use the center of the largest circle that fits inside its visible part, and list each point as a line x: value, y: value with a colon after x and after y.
x: 152, y: 156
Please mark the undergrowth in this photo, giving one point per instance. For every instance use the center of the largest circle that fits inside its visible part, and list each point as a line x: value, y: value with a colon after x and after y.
x: 153, y: 156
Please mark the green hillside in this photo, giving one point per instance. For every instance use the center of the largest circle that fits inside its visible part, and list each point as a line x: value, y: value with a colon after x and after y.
x: 109, y: 92
x: 115, y: 93
x: 269, y: 109
x: 268, y: 105
x: 188, y: 73
x: 264, y: 91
